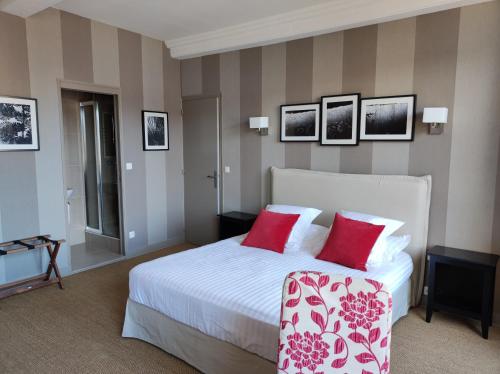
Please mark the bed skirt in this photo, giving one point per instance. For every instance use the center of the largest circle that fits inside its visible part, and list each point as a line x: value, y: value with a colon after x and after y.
x: 208, y: 354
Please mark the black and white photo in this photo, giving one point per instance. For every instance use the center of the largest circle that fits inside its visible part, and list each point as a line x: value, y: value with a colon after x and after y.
x: 388, y: 118
x: 155, y: 131
x: 300, y: 123
x: 339, y: 119
x: 18, y: 124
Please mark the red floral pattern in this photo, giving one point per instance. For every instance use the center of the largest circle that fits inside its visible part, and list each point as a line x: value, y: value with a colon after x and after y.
x: 361, y: 311
x: 307, y: 351
x: 333, y: 324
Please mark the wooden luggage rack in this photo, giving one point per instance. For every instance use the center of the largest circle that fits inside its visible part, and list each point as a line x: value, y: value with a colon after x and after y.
x: 42, y: 280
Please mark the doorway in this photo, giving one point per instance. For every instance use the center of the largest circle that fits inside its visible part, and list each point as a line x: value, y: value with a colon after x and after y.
x: 91, y: 177
x: 202, y: 184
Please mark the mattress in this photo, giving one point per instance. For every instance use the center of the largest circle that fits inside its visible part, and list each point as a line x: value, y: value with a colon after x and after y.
x: 233, y: 293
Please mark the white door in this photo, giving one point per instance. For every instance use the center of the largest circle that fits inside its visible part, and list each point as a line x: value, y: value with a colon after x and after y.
x: 201, y: 168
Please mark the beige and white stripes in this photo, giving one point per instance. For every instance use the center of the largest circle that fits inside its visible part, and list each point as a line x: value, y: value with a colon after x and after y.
x: 53, y: 46
x: 448, y: 59
x: 239, y: 298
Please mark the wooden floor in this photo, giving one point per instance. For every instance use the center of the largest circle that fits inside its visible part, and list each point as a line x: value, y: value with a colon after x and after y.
x: 77, y: 330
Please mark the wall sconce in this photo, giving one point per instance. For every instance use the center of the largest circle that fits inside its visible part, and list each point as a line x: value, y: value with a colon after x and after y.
x: 436, y: 117
x: 260, y: 123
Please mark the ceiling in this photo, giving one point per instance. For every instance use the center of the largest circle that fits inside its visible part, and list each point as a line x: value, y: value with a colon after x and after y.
x: 164, y: 19
x: 198, y: 27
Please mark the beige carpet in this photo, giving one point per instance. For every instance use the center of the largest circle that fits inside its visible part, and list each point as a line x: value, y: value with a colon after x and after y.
x: 78, y: 331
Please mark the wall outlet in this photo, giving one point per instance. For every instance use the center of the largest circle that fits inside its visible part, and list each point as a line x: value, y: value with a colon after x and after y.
x: 426, y: 290
x: 131, y: 234
x: 227, y: 169
x: 129, y: 166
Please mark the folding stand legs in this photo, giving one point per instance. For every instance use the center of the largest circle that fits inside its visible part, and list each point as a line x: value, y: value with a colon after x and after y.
x: 52, y: 262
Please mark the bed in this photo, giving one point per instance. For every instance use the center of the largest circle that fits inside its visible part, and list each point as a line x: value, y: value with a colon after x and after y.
x: 217, y: 307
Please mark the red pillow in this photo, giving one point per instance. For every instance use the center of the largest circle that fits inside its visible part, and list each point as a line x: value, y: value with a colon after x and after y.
x: 350, y: 242
x: 271, y: 231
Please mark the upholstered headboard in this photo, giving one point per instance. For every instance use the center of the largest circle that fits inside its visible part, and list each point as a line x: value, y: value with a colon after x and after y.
x: 400, y: 197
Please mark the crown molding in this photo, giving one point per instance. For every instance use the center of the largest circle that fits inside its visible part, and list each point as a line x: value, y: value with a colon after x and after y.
x: 315, y: 20
x: 26, y: 8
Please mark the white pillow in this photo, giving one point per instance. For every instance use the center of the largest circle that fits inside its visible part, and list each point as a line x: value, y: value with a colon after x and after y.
x: 307, y: 215
x: 391, y: 225
x: 390, y: 248
x: 395, y: 245
x: 314, y: 240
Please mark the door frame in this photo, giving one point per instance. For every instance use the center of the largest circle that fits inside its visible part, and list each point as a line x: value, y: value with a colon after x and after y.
x: 64, y: 84
x: 220, y: 177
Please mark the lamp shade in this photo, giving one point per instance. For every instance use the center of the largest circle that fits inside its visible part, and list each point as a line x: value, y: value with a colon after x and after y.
x: 435, y: 115
x: 259, y: 122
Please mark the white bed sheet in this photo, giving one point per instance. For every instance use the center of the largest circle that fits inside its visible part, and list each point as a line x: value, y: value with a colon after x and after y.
x: 233, y: 293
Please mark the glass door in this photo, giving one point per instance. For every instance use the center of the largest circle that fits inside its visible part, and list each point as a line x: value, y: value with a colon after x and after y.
x: 109, y: 170
x: 91, y: 165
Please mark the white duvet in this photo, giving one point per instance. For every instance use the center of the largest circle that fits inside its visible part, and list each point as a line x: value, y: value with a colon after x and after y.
x: 233, y: 292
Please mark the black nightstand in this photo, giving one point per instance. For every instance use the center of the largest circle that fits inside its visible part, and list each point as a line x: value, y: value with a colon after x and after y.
x: 235, y: 223
x: 461, y: 282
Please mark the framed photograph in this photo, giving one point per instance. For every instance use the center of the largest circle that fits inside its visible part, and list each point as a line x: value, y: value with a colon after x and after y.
x: 388, y: 118
x: 300, y: 123
x: 18, y: 124
x: 155, y: 131
x: 339, y: 119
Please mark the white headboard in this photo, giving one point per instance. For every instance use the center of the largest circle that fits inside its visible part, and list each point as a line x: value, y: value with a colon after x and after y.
x: 400, y: 197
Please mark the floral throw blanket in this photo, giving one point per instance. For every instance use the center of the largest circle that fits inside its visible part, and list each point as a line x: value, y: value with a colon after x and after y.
x: 334, y: 324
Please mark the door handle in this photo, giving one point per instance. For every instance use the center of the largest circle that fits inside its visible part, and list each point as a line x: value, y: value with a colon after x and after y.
x: 214, y: 177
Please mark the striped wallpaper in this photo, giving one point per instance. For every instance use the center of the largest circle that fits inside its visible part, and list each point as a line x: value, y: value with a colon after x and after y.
x: 448, y: 59
x: 52, y: 46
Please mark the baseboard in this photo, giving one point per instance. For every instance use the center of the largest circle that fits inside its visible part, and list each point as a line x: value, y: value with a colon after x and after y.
x: 65, y: 270
x: 167, y: 243
x: 157, y: 246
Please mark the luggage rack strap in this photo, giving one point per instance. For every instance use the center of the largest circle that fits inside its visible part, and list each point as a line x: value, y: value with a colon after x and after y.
x: 27, y: 245
x: 47, y: 238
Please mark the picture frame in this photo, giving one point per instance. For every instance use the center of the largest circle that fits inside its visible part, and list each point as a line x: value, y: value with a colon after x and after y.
x: 155, y: 131
x: 388, y: 118
x: 300, y: 122
x: 19, y: 124
x: 340, y: 120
